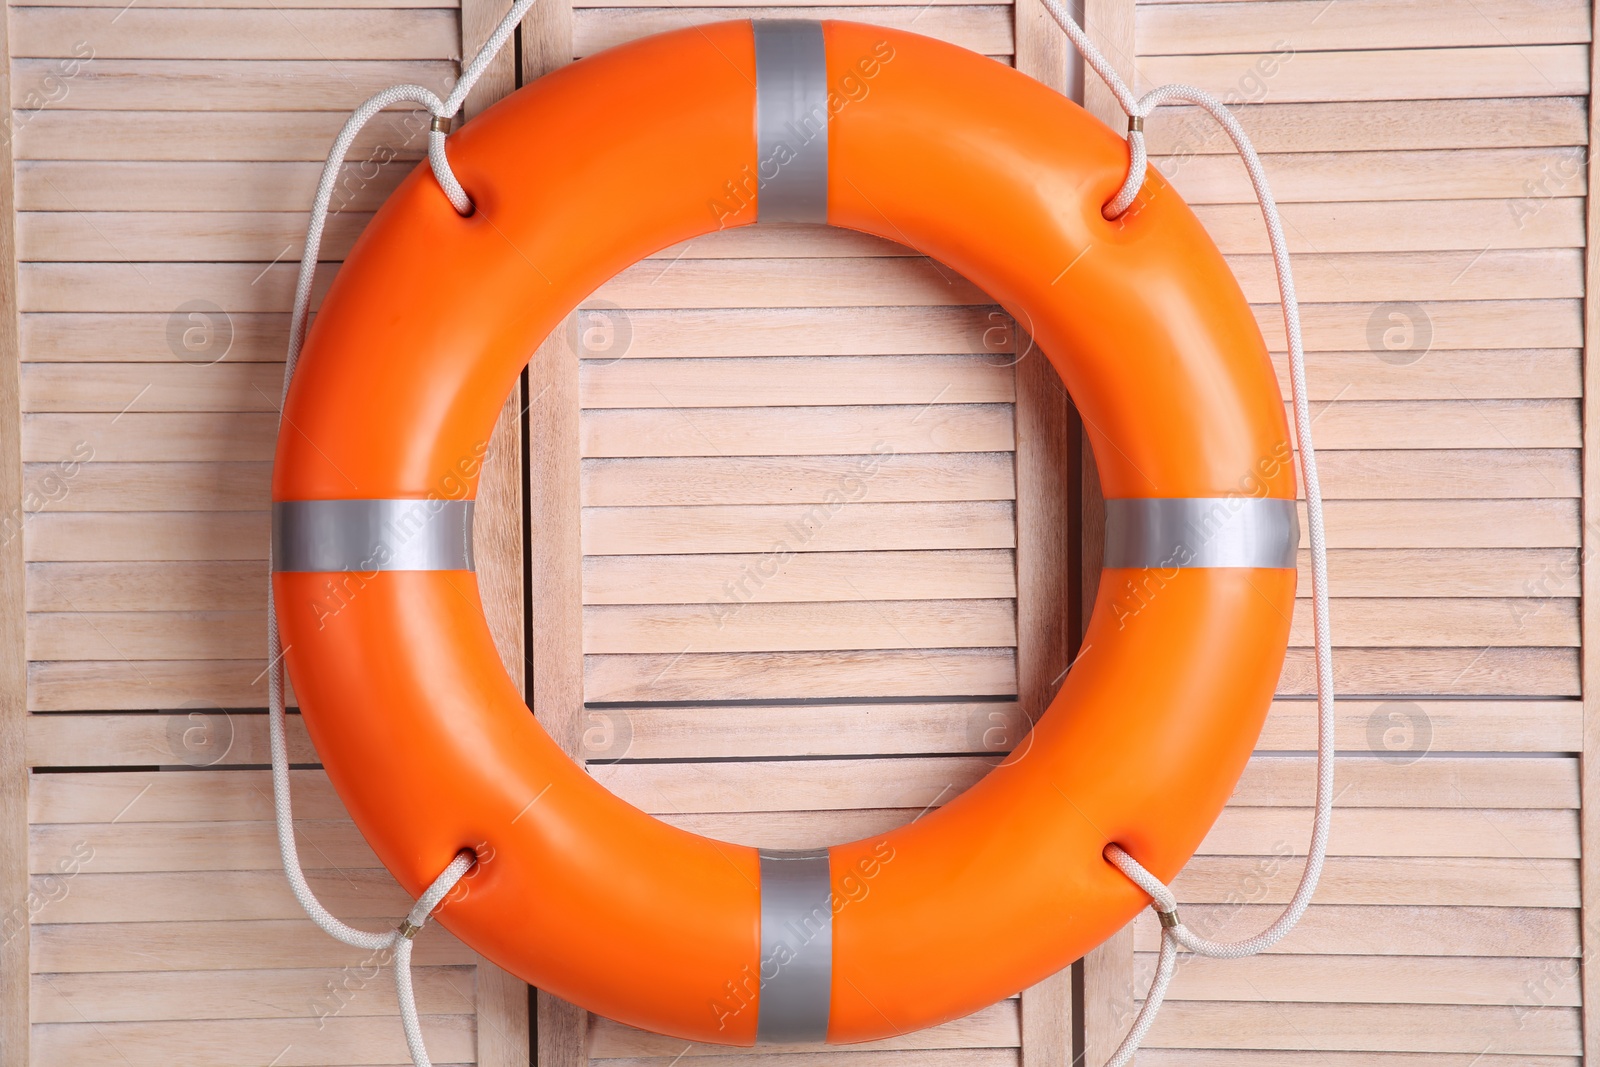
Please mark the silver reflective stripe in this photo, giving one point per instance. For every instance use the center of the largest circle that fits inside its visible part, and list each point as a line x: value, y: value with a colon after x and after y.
x: 1201, y: 532
x: 372, y: 535
x: 791, y: 121
x: 796, y: 946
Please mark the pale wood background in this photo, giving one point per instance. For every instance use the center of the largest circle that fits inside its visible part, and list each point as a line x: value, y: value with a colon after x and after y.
x: 1430, y: 156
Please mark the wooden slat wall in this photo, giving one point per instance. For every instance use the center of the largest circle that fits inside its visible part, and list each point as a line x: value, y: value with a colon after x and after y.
x: 1429, y: 157
x: 165, y: 158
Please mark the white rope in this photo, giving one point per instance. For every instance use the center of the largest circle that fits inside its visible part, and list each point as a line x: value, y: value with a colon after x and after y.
x: 397, y: 941
x: 1174, y: 933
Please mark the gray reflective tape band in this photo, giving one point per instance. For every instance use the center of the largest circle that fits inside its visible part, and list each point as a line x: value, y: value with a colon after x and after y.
x: 1201, y: 532
x: 796, y: 946
x: 791, y: 121
x: 372, y: 535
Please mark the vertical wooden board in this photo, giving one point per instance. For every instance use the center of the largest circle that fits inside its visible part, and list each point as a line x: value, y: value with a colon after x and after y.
x: 15, y: 911
x: 1045, y: 558
x: 555, y: 551
x: 555, y: 650
x: 1110, y: 25
x: 1590, y: 603
x: 503, y: 1000
x: 1047, y: 536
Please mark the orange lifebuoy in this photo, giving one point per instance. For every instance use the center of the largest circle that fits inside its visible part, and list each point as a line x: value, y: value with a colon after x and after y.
x: 913, y: 140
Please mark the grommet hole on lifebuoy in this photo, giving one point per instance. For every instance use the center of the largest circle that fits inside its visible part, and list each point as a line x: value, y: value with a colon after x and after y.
x: 971, y: 164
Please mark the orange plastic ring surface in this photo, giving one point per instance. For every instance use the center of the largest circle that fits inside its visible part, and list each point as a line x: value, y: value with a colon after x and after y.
x: 419, y: 341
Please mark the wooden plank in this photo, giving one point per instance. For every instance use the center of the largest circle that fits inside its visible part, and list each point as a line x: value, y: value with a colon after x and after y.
x: 171, y: 946
x: 744, y: 332
x: 1472, y: 324
x: 1402, y: 831
x: 1453, y: 672
x: 996, y: 1026
x: 1439, y: 374
x: 100, y: 740
x: 503, y: 1001
x: 296, y: 1042
x: 98, y: 337
x: 15, y: 946
x: 788, y: 675
x: 1479, y: 274
x: 223, y: 84
x: 1444, y: 623
x: 1536, y: 573
x: 1394, y: 930
x: 133, y: 185
x: 1590, y: 605
x: 141, y: 996
x: 135, y: 635
x: 219, y: 386
x: 883, y: 431
x: 154, y: 33
x: 1433, y: 1028
x: 1046, y: 428
x: 1401, y: 174
x: 382, y: 4
x: 223, y: 535
x: 901, y: 624
x: 194, y: 846
x: 1384, y: 74
x: 1417, y: 424
x: 138, y: 435
x: 985, y: 29
x: 124, y: 686
x: 1444, y: 473
x: 862, y: 479
x: 1450, y: 523
x: 1361, y: 980
x: 783, y: 282
x: 734, y: 580
x: 156, y: 236
x: 223, y: 796
x: 1111, y: 26
x: 1432, y: 881
x: 250, y: 287
x: 1411, y: 226
x: 1198, y: 28
x: 214, y: 585
x: 1336, y: 126
x: 817, y: 381
x: 1006, y: 1057
x: 1450, y: 726
x: 1251, y: 1058
x: 556, y: 542
x: 757, y: 528
x: 217, y: 136
x: 222, y: 896
x: 196, y: 486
